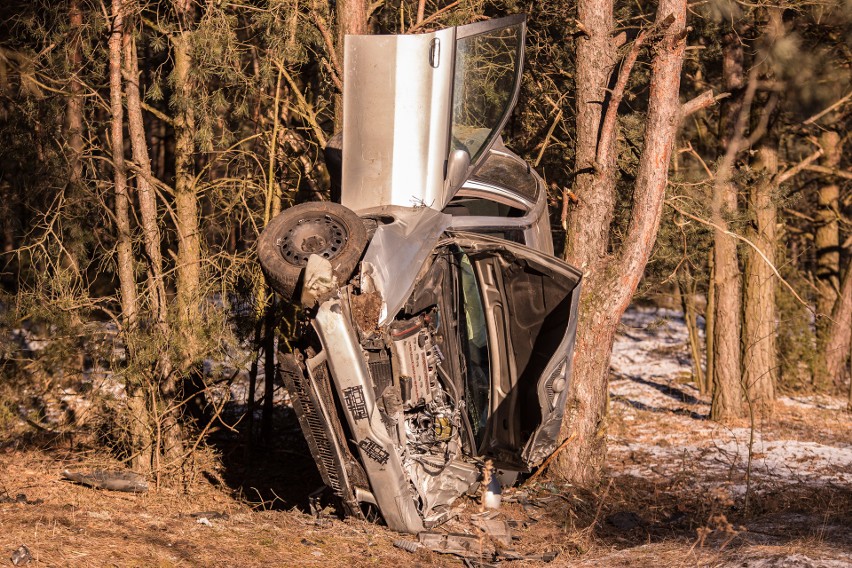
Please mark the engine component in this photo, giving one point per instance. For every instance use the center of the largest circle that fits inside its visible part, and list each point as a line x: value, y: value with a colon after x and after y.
x: 416, y: 360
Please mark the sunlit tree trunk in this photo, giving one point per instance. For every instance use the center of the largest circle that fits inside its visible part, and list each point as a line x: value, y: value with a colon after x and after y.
x: 827, y: 234
x: 139, y: 428
x: 124, y: 247
x: 611, y: 277
x: 727, y: 368
x: 760, y: 360
x: 188, y: 268
x: 148, y: 216
x: 351, y: 19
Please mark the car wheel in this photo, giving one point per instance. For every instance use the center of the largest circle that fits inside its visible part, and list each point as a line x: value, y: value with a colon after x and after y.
x: 327, y: 229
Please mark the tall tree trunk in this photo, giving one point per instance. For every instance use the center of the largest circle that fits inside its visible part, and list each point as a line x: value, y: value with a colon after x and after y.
x: 74, y: 109
x: 685, y: 287
x: 727, y: 368
x: 827, y: 244
x: 124, y: 247
x: 351, y: 19
x: 139, y: 428
x: 827, y: 235
x: 760, y: 358
x: 148, y: 216
x: 838, y: 336
x: 168, y: 438
x: 188, y: 268
x: 710, y: 321
x: 611, y: 279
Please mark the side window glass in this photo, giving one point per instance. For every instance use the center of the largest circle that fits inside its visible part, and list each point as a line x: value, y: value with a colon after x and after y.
x: 486, y: 69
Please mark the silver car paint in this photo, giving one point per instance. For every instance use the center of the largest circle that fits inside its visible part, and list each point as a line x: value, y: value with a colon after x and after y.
x: 395, y: 119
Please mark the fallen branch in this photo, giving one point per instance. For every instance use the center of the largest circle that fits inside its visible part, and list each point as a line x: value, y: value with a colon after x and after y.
x: 549, y: 459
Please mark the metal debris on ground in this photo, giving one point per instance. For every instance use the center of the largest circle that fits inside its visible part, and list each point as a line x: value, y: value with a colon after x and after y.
x: 475, y: 550
x: 124, y: 481
x: 21, y: 556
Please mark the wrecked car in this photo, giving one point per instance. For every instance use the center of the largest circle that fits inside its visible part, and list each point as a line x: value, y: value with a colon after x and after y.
x: 439, y: 326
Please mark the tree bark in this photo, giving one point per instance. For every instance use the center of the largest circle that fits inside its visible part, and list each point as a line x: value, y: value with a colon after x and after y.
x: 760, y: 358
x: 74, y: 109
x: 124, y: 247
x: 838, y: 336
x: 686, y: 291
x: 827, y: 244
x: 611, y: 278
x: 351, y: 19
x: 188, y: 268
x: 710, y: 322
x: 827, y: 235
x: 727, y: 367
x: 148, y: 216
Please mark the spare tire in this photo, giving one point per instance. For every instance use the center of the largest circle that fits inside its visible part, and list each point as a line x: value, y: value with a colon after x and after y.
x: 327, y: 229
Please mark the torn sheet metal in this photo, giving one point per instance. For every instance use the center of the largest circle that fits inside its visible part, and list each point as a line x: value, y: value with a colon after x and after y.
x: 397, y: 253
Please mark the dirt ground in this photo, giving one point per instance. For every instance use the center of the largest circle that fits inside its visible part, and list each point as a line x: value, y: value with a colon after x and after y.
x: 679, y: 491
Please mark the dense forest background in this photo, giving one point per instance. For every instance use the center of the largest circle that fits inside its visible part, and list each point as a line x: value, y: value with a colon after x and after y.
x: 145, y: 144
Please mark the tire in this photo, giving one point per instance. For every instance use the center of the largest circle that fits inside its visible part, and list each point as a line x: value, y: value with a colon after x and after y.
x: 324, y: 228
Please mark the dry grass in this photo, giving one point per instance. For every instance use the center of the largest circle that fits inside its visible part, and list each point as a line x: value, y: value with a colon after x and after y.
x: 655, y: 519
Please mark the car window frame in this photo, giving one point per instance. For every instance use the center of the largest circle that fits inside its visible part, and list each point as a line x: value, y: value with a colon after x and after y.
x: 468, y: 31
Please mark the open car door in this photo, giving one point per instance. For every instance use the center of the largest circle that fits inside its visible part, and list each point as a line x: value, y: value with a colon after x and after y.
x: 420, y: 112
x: 519, y: 308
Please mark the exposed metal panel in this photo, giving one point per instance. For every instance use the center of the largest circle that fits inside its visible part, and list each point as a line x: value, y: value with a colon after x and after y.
x: 396, y: 119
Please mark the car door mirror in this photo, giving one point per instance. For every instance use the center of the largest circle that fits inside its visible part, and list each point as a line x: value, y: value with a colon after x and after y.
x: 457, y: 169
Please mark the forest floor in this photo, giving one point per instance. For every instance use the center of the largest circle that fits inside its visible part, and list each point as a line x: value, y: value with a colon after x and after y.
x: 678, y: 491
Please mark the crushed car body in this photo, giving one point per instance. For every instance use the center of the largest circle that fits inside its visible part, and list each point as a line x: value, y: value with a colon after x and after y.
x: 439, y: 326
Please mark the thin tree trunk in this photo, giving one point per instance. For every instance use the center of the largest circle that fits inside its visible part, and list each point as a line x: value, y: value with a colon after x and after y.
x: 727, y: 367
x: 140, y: 433
x: 168, y: 430
x: 710, y: 322
x: 838, y: 336
x: 351, y: 19
x: 74, y: 109
x: 124, y: 248
x: 188, y: 268
x: 687, y: 302
x: 760, y: 358
x: 827, y: 244
x: 611, y: 280
x: 148, y: 216
x: 827, y: 234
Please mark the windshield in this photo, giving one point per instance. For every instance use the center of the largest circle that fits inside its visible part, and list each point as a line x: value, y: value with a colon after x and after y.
x: 487, y: 66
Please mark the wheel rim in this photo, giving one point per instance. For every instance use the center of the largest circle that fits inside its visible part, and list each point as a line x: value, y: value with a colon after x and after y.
x: 320, y: 234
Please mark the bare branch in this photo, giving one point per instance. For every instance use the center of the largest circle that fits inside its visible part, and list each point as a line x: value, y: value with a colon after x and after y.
x: 830, y: 108
x: 829, y: 171
x: 701, y: 102
x: 433, y: 17
x: 306, y: 109
x: 161, y: 115
x: 671, y: 204
x: 791, y: 172
x: 607, y: 135
x: 336, y: 70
